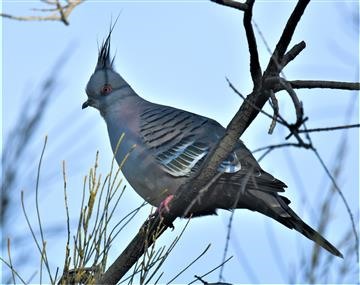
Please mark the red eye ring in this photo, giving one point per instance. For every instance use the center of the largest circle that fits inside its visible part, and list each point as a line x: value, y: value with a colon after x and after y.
x: 106, y: 89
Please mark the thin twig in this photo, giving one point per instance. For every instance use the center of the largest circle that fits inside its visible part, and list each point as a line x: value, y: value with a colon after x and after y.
x: 12, y: 270
x: 171, y: 247
x: 43, y: 251
x: 67, y: 246
x: 10, y: 261
x: 277, y: 253
x: 297, y: 103
x: 190, y: 264
x: 221, y: 278
x: 279, y: 119
x: 330, y: 128
x: 274, y: 146
x: 275, y: 106
x: 211, y: 271
x: 342, y: 198
x: 32, y: 231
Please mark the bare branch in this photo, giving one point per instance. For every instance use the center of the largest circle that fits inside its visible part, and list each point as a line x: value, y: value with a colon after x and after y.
x: 62, y: 12
x: 279, y: 120
x: 342, y: 198
x: 232, y: 4
x: 10, y: 261
x: 277, y: 84
x: 297, y: 103
x: 275, y: 106
x: 255, y: 68
x: 330, y: 128
x: 212, y: 270
x: 274, y: 146
x: 292, y: 53
x: 299, y: 84
x: 191, y: 263
x: 286, y: 36
x: 133, y: 251
x: 13, y: 270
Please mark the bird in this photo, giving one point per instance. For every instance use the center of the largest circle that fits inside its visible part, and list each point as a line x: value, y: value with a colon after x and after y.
x: 170, y: 146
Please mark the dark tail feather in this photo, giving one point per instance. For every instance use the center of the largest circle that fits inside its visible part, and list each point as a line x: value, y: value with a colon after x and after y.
x: 295, y: 222
x: 276, y: 207
x: 310, y: 233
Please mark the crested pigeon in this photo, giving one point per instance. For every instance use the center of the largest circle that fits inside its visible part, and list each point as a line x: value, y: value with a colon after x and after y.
x: 171, y: 144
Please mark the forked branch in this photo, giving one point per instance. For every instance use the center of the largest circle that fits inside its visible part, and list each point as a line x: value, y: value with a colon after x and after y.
x: 60, y: 12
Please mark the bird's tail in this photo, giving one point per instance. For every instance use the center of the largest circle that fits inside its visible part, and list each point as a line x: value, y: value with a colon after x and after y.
x: 310, y: 233
x: 290, y: 219
x: 276, y: 206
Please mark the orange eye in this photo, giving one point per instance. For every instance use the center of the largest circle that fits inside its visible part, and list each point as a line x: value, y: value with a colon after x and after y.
x: 106, y: 89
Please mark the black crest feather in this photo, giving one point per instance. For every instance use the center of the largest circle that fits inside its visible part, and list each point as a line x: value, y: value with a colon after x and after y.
x: 104, y: 61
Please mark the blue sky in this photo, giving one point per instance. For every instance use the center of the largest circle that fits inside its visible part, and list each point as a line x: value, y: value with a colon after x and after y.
x: 178, y: 53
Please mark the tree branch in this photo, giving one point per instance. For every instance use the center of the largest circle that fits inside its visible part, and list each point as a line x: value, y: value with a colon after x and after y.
x: 292, y: 53
x: 255, y: 68
x: 232, y: 4
x: 275, y: 105
x: 300, y: 84
x: 62, y: 12
x: 330, y: 128
x: 297, y: 103
x: 282, y: 45
x: 278, y: 84
x: 149, y: 231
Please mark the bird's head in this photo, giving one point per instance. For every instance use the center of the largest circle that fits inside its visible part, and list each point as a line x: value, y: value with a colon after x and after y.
x: 105, y: 85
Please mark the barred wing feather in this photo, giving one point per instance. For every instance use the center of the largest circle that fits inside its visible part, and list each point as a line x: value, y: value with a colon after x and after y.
x: 173, y: 137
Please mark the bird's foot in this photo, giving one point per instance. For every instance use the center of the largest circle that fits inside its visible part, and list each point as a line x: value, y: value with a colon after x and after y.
x: 164, y: 208
x: 164, y: 205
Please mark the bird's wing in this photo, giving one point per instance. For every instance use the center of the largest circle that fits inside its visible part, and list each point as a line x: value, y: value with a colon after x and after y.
x: 180, y: 140
x: 251, y: 176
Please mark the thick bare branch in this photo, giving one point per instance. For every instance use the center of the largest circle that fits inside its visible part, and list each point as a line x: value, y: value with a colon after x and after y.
x: 247, y: 7
x: 282, y: 45
x: 255, y: 68
x: 299, y: 84
x: 277, y: 84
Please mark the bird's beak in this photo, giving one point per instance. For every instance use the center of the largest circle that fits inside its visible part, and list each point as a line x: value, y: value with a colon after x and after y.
x: 86, y: 104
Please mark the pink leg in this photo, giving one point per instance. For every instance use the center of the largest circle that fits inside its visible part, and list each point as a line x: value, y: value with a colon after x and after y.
x: 164, y: 205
